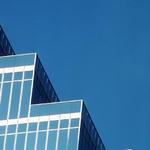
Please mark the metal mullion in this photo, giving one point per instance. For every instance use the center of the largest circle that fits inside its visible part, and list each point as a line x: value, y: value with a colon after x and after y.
x: 19, y: 108
x: 8, y: 111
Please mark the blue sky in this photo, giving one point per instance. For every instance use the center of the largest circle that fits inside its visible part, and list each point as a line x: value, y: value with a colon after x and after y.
x: 96, y: 50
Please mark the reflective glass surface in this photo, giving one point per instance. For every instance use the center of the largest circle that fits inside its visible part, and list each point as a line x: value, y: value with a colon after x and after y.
x: 56, y: 108
x: 17, y: 60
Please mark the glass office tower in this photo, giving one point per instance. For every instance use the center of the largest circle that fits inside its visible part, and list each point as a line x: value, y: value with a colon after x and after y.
x: 31, y: 115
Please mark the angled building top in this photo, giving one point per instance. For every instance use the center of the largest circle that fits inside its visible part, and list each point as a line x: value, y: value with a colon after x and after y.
x: 5, y: 46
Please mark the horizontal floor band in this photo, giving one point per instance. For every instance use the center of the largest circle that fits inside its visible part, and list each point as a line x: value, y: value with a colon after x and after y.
x: 16, y: 69
x: 39, y: 119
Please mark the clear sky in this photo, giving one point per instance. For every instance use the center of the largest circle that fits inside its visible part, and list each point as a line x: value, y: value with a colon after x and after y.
x: 98, y: 50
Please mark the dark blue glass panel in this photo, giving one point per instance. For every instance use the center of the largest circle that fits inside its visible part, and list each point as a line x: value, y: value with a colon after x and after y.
x: 18, y: 76
x: 10, y: 142
x: 31, y: 141
x: 20, y: 142
x: 15, y: 100
x: 41, y: 141
x: 52, y: 140
x: 56, y: 108
x: 7, y: 76
x: 25, y: 98
x: 17, y: 60
x: 73, y: 139
x: 4, y: 101
x: 62, y: 142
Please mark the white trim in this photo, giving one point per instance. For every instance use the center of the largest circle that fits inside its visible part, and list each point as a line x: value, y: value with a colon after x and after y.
x: 17, y: 55
x: 47, y: 134
x: 19, y: 108
x: 77, y: 127
x: 39, y: 118
x: 16, y: 69
x: 70, y: 101
x: 8, y: 111
x: 31, y: 91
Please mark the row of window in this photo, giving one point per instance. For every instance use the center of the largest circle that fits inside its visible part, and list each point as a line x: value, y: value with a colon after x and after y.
x: 59, y: 139
x: 17, y: 76
x: 42, y: 126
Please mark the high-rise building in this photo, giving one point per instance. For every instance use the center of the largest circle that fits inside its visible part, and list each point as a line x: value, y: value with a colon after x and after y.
x: 31, y: 115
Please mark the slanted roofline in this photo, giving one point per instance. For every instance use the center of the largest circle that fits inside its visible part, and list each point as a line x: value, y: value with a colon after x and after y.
x: 5, y: 46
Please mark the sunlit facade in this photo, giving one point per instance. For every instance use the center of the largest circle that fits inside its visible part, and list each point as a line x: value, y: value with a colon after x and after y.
x: 31, y: 115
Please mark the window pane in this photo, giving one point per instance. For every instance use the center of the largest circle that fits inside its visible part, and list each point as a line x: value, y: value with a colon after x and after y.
x: 74, y: 122
x: 53, y: 124
x: 11, y: 129
x: 20, y: 142
x: 18, y: 76
x: 62, y: 143
x: 1, y: 142
x: 31, y: 141
x: 28, y: 74
x: 43, y: 126
x: 32, y: 127
x: 64, y: 123
x: 4, y: 101
x: 41, y: 141
x: 25, y: 98
x: 15, y: 100
x: 22, y: 127
x: 52, y: 140
x: 7, y: 76
x: 73, y: 138
x: 2, y: 129
x: 10, y: 142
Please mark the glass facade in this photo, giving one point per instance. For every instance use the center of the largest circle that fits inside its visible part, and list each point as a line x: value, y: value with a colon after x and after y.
x: 31, y: 115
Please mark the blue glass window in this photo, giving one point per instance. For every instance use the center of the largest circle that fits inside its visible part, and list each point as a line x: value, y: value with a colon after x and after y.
x: 17, y: 60
x: 15, y: 100
x: 43, y: 125
x: 20, y: 142
x: 54, y: 124
x: 4, y: 101
x: 41, y: 141
x: 74, y: 122
x: 62, y: 142
x: 7, y: 76
x: 18, y: 76
x: 1, y: 142
x: 31, y: 141
x: 64, y: 123
x: 52, y: 140
x: 0, y: 77
x: 32, y: 127
x: 22, y: 127
x: 56, y: 108
x: 2, y: 129
x: 11, y: 129
x: 73, y: 139
x: 10, y: 142
x: 28, y: 75
x: 25, y: 98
